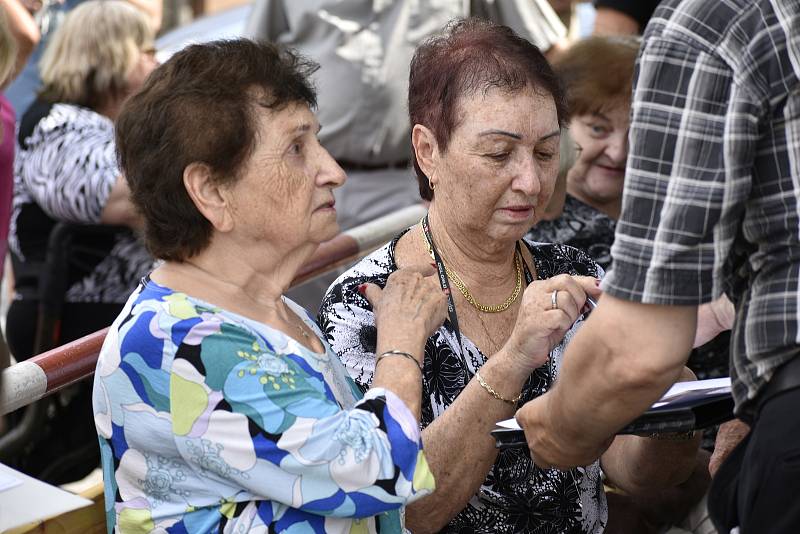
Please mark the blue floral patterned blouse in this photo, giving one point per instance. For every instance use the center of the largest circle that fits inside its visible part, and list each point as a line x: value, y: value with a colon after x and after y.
x: 211, y: 422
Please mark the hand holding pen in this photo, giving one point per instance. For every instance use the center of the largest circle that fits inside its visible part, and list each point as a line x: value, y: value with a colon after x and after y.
x: 548, y: 310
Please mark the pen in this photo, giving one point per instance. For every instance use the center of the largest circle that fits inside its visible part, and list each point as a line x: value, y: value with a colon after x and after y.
x: 589, y: 306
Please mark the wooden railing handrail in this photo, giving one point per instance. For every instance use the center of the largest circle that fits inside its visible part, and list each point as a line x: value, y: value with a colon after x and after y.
x: 28, y: 381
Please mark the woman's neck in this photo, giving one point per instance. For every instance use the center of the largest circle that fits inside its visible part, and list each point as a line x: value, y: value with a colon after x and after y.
x: 611, y: 208
x: 110, y: 107
x: 474, y: 256
x: 248, y: 283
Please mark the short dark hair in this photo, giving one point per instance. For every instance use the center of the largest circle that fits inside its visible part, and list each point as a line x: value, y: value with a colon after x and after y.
x: 472, y: 55
x: 200, y: 106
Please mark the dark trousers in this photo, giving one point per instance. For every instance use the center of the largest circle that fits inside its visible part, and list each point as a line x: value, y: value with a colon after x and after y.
x: 758, y: 487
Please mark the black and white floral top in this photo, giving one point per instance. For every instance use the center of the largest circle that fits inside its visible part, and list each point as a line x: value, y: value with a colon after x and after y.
x: 64, y: 170
x: 581, y: 226
x: 516, y: 496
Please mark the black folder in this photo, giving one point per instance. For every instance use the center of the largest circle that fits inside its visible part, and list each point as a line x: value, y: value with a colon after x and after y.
x: 683, y: 413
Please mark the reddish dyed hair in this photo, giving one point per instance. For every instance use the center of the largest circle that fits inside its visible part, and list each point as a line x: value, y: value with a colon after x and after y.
x: 472, y: 55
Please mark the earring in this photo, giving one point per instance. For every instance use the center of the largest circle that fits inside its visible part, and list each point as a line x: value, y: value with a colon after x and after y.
x: 431, y: 185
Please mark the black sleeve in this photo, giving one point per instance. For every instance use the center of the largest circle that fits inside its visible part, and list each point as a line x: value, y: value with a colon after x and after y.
x: 639, y: 10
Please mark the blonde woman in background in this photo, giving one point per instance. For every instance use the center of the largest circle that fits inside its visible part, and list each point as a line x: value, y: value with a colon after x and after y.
x: 597, y: 74
x: 66, y: 171
x: 49, y: 16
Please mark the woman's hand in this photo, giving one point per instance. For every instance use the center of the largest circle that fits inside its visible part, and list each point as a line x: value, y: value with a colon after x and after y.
x: 713, y: 318
x: 409, y: 309
x: 541, y: 325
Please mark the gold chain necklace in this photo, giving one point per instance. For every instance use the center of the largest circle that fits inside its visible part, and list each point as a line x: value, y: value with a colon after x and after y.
x: 462, y: 287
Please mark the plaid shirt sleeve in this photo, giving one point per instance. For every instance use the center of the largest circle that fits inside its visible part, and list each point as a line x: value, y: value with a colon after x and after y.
x: 692, y: 142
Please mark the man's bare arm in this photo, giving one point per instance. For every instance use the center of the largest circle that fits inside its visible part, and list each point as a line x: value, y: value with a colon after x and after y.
x: 621, y: 361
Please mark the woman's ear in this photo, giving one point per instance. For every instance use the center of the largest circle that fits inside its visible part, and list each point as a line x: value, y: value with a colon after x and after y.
x: 208, y: 196
x: 426, y: 149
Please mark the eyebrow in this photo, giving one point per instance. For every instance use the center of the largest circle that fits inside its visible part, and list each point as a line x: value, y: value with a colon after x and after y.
x: 500, y: 132
x: 302, y: 128
x: 516, y: 135
x: 554, y: 133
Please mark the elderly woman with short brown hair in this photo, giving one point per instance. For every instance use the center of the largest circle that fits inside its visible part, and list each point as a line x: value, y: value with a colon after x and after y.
x: 218, y: 404
x: 486, y: 110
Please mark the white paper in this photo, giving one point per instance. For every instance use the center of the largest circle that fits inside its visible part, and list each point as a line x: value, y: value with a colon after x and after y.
x: 693, y: 390
x: 510, y: 423
x: 675, y: 394
x: 8, y: 481
x: 32, y: 500
x: 697, y: 385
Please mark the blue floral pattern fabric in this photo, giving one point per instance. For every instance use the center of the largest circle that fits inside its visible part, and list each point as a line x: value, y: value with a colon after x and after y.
x: 212, y: 422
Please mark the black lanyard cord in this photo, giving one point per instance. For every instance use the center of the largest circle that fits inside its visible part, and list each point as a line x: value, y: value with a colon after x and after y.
x: 445, y: 284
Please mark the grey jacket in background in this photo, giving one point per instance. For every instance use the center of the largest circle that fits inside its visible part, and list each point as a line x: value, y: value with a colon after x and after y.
x: 365, y: 48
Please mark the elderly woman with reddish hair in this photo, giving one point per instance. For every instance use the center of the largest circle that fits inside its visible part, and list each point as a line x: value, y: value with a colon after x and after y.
x: 487, y: 111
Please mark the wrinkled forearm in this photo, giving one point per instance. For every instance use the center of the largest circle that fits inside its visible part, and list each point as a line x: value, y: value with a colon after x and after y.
x: 460, y: 450
x: 616, y: 366
x: 400, y: 375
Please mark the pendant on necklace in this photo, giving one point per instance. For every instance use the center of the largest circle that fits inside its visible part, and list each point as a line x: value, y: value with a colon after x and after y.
x: 303, y: 332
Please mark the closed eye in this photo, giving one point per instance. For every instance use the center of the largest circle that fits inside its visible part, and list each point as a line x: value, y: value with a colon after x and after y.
x: 498, y: 156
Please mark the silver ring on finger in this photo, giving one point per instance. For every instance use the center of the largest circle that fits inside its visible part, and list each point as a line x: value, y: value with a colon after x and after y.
x: 554, y: 299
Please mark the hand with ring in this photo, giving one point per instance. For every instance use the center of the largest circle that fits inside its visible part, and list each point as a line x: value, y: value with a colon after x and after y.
x: 549, y: 308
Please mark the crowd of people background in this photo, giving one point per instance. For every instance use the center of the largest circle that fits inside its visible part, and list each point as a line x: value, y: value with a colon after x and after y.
x: 641, y: 154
